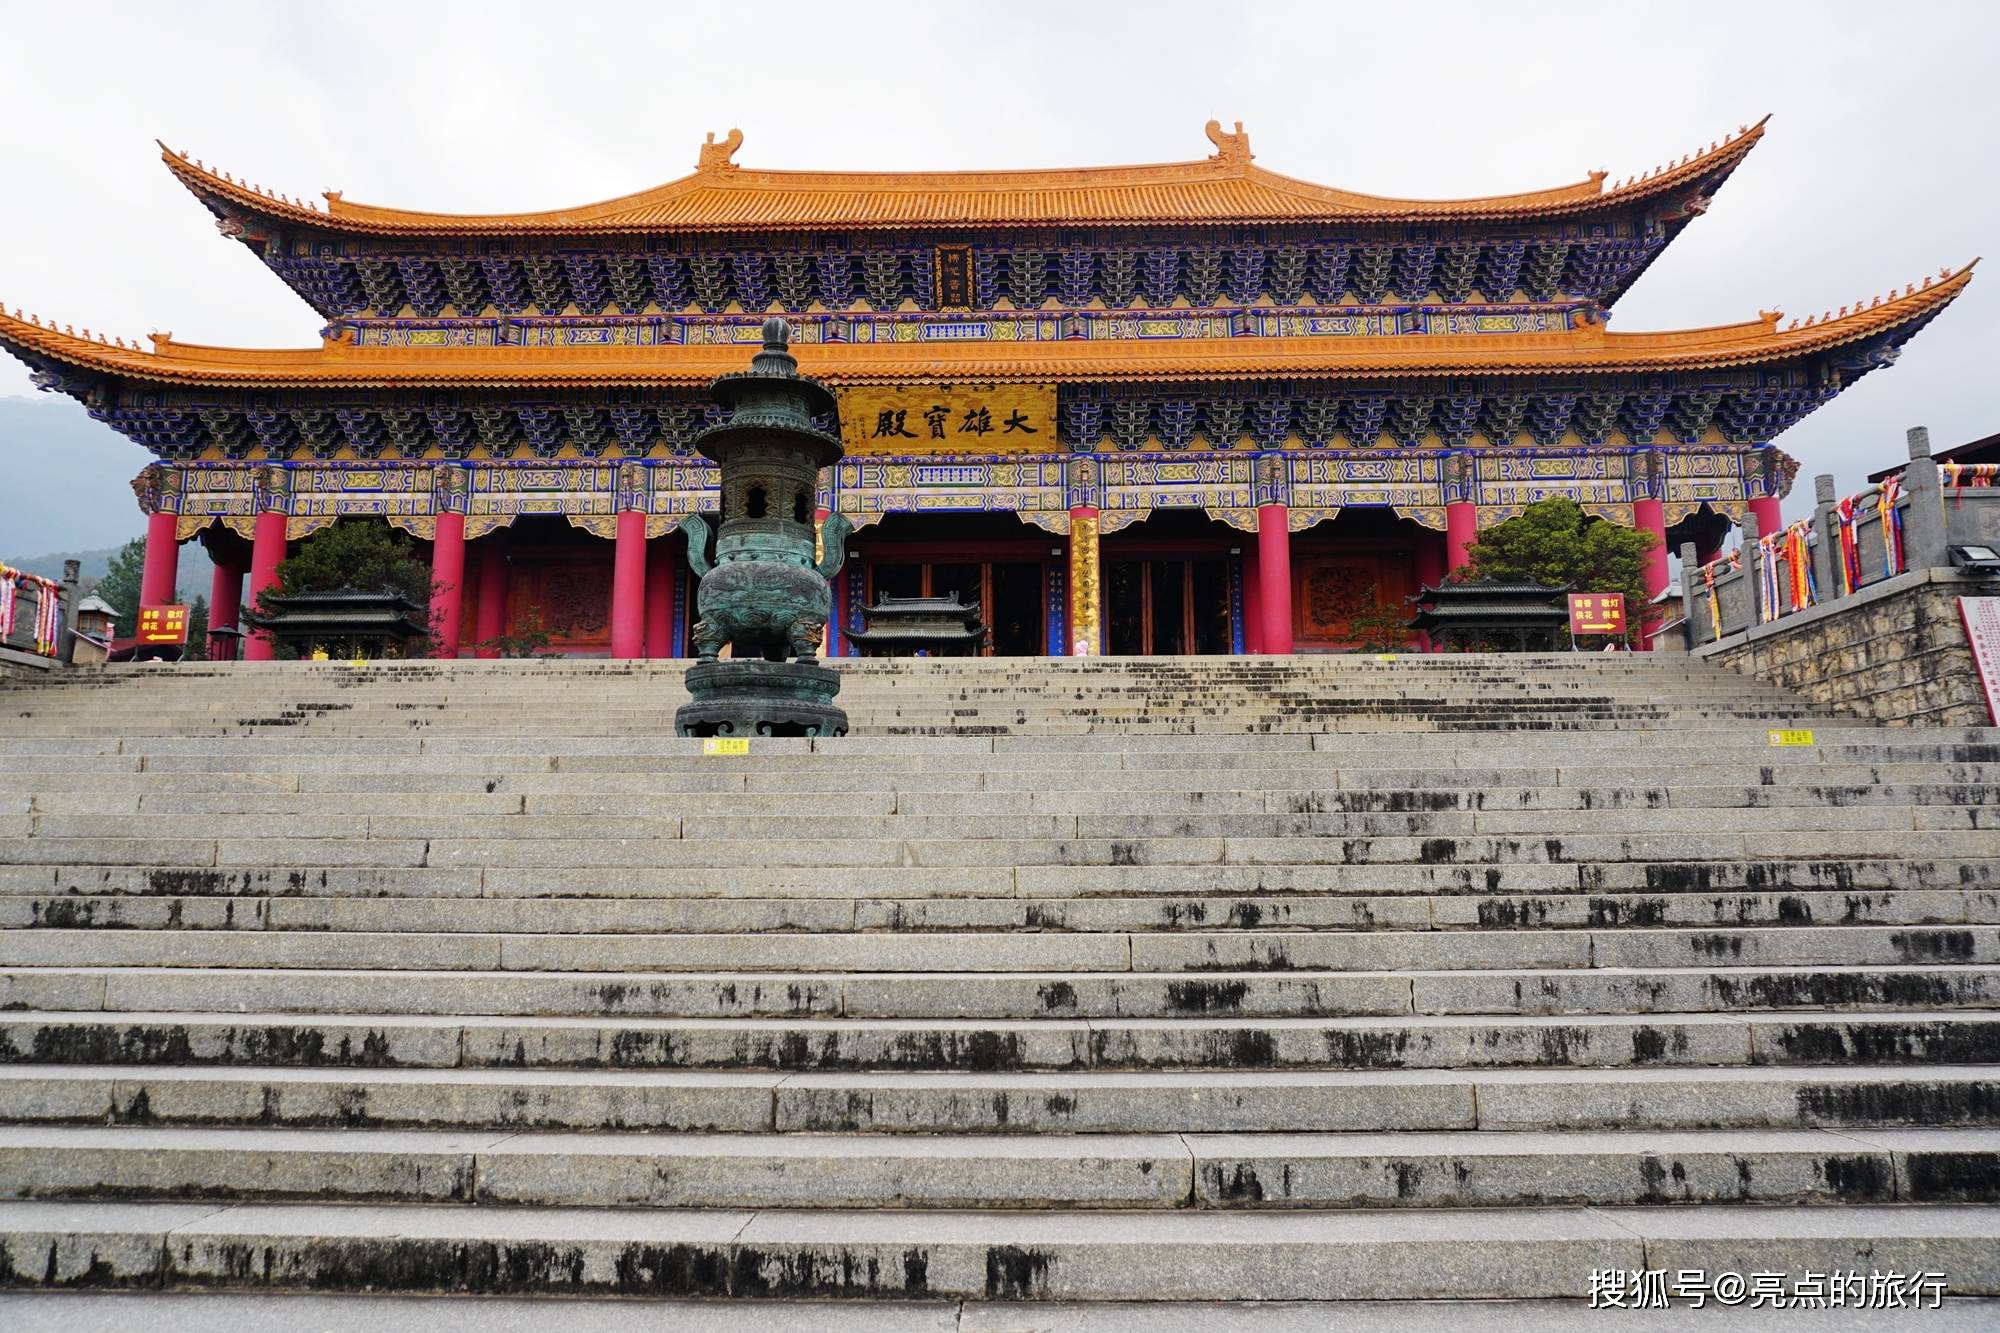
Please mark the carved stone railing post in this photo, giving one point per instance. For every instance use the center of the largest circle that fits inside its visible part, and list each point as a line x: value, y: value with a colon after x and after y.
x: 1690, y: 577
x: 71, y: 582
x: 1753, y: 568
x: 1923, y: 523
x: 1826, y: 553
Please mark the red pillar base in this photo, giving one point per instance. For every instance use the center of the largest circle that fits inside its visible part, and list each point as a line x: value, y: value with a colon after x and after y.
x: 489, y: 616
x: 225, y: 607
x: 1429, y: 561
x: 267, y: 552
x: 1461, y: 532
x: 447, y: 583
x: 1770, y: 514
x: 628, y: 588
x: 662, y: 573
x: 1274, y: 576
x: 1650, y: 516
x: 489, y: 613
x: 163, y: 553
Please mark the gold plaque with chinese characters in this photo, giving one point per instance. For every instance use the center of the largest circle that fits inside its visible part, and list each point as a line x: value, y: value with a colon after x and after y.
x: 948, y: 419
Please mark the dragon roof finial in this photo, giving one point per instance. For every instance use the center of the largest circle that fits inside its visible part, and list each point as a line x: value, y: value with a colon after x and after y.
x: 1233, y: 149
x: 716, y: 156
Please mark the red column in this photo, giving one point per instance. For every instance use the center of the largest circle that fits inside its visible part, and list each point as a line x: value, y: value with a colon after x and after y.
x: 447, y: 582
x: 1274, y: 576
x: 1429, y: 568
x: 1770, y: 515
x: 1253, y: 597
x: 1461, y: 530
x: 489, y: 618
x: 225, y: 606
x: 163, y: 553
x: 628, y: 588
x: 267, y: 552
x: 661, y: 569
x: 1651, y: 516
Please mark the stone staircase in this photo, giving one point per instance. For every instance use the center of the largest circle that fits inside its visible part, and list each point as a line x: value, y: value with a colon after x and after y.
x: 1225, y: 978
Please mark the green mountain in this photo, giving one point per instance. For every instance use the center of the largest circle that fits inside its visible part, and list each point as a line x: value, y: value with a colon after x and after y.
x: 68, y: 480
x: 193, y: 570
x: 68, y: 493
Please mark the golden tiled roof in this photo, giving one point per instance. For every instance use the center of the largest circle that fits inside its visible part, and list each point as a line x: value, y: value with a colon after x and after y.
x: 1591, y: 349
x: 721, y: 196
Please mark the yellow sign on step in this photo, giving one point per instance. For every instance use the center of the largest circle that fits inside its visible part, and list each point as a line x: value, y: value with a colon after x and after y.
x: 726, y: 745
x: 1780, y: 737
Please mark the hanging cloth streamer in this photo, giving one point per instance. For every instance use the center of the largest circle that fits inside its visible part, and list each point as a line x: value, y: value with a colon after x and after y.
x: 1893, y: 556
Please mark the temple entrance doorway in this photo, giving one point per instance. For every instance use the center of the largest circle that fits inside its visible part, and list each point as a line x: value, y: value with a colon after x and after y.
x: 559, y: 580
x: 994, y: 560
x: 1171, y: 587
x: 1352, y: 579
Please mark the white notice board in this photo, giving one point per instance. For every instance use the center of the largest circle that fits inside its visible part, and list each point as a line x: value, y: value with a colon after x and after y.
x: 1982, y: 630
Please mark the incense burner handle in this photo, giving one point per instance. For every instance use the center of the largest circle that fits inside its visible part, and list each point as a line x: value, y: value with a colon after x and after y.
x: 696, y: 528
x: 833, y: 534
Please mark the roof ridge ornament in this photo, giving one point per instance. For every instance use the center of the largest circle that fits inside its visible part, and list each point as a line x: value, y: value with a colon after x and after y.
x: 1230, y: 149
x: 718, y: 156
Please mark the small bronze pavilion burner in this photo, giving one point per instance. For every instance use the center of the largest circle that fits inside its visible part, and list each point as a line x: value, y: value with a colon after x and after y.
x: 764, y: 593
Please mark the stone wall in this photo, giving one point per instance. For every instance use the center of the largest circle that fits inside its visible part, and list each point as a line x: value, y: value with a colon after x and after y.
x: 1894, y: 652
x: 22, y: 666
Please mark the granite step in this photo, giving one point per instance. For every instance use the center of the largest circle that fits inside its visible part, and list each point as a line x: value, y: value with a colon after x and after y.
x: 1887, y: 1037
x: 1424, y: 1169
x: 1978, y: 878
x: 1497, y: 990
x: 1051, y: 1102
x: 1416, y: 909
x: 1164, y: 1255
x: 1261, y: 950
x: 251, y: 799
x: 1083, y: 852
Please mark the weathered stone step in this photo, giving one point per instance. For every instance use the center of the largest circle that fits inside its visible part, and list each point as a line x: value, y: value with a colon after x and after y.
x: 163, y: 797
x: 1262, y: 950
x: 1203, y: 1171
x: 637, y: 775
x: 1185, y: 1255
x: 1738, y: 747
x: 1015, y: 853
x: 665, y: 824
x: 115, y: 910
x: 1978, y: 878
x: 1744, y: 741
x: 1498, y: 990
x: 1424, y: 1042
x: 1044, y: 1101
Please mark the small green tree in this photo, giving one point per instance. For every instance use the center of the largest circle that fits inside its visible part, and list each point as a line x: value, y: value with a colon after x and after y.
x: 197, y: 642
x: 527, y: 639
x: 1379, y: 629
x: 365, y: 555
x: 1555, y: 542
x: 120, y: 585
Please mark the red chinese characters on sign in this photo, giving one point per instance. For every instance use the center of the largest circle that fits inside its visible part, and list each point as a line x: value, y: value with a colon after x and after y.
x: 163, y: 624
x: 1981, y: 617
x: 1596, y: 613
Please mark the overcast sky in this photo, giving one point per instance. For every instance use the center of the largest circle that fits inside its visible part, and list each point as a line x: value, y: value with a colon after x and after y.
x: 1879, y: 166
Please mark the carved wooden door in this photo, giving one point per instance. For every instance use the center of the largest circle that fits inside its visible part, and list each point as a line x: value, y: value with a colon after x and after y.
x: 1329, y: 591
x: 566, y: 589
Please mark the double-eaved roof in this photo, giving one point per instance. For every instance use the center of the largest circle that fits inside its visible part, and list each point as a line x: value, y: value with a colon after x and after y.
x: 606, y: 288
x: 1589, y: 349
x: 1226, y: 187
